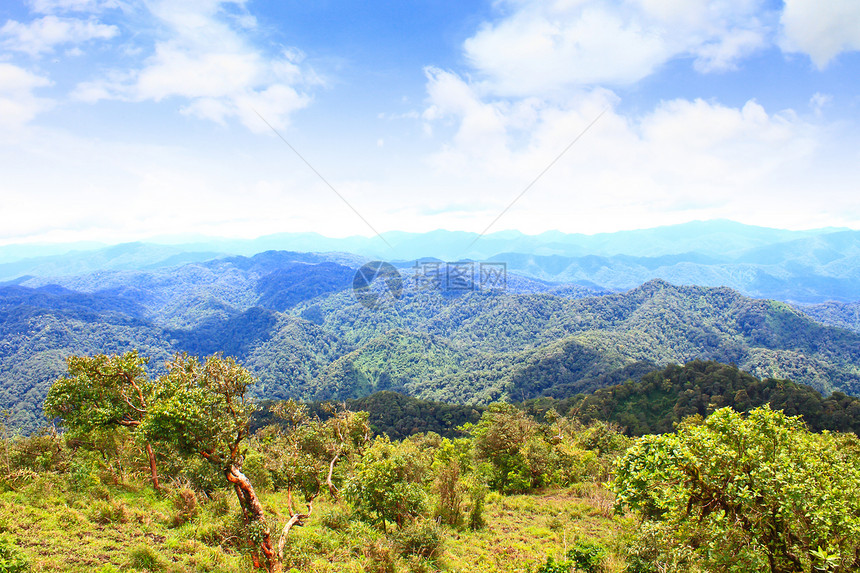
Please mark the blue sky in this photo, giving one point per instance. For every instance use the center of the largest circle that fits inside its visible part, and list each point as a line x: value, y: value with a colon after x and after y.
x: 127, y: 120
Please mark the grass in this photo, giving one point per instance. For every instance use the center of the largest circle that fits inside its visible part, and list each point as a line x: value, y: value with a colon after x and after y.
x: 523, y: 530
x: 58, y: 527
x: 104, y: 528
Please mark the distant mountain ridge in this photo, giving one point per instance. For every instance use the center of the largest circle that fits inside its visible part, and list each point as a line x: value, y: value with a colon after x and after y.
x: 806, y: 267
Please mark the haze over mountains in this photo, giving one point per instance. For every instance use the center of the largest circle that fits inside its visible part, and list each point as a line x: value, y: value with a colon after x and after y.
x: 795, y: 266
x: 560, y: 325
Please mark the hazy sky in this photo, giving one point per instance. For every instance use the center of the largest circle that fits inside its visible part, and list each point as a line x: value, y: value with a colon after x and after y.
x: 124, y: 120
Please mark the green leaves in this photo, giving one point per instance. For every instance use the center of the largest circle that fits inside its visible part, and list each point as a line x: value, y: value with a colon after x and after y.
x: 201, y: 408
x: 742, y: 493
x: 521, y: 454
x: 101, y: 391
x: 386, y: 482
x: 197, y: 406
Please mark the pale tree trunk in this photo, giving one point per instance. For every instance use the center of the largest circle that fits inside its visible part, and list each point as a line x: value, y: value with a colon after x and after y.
x: 332, y: 489
x: 296, y: 519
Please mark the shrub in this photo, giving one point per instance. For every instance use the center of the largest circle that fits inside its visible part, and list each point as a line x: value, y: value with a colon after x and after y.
x: 112, y: 511
x: 744, y: 492
x: 186, y: 506
x: 385, y: 485
x: 449, y: 510
x: 83, y: 472
x: 336, y: 519
x: 379, y: 557
x: 587, y: 556
x: 478, y: 495
x: 421, y: 539
x: 553, y: 566
x: 41, y: 452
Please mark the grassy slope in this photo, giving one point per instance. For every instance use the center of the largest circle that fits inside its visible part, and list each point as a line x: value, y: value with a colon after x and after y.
x: 132, y: 528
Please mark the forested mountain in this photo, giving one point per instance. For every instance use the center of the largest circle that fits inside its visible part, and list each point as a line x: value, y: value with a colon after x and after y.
x: 293, y: 319
x: 664, y: 397
x: 524, y: 345
x: 396, y: 415
x: 649, y: 403
x: 39, y: 328
x: 809, y: 270
x: 843, y: 315
x: 127, y: 256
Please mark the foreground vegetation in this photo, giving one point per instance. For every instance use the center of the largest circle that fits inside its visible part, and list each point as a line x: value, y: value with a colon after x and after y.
x: 138, y: 482
x: 161, y: 474
x: 51, y: 524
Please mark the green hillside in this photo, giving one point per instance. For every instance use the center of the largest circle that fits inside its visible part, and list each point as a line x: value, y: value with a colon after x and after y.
x: 521, y: 346
x: 661, y: 399
x: 300, y: 330
x: 835, y: 314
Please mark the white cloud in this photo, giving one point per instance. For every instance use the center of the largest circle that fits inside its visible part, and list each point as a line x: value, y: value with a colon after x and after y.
x: 819, y: 101
x: 533, y: 51
x: 481, y: 126
x: 53, y: 189
x: 724, y: 54
x: 204, y: 59
x: 60, y: 6
x: 682, y: 160
x: 546, y: 46
x: 18, y: 104
x: 539, y: 77
x: 44, y: 34
x: 821, y: 29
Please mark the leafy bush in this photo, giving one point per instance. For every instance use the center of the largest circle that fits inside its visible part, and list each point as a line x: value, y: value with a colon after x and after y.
x: 83, y: 472
x: 744, y: 493
x: 553, y: 566
x: 478, y: 496
x: 421, y: 539
x: 386, y: 483
x: 449, y: 509
x: 587, y: 556
x: 42, y: 452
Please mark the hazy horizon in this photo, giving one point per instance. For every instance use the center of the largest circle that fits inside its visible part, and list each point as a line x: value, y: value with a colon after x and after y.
x: 180, y: 240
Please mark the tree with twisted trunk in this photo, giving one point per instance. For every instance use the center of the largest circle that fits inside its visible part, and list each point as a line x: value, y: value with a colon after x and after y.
x: 201, y: 408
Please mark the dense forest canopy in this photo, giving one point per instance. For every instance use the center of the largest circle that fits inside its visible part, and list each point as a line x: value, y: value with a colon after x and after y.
x: 663, y: 398
x: 301, y: 332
